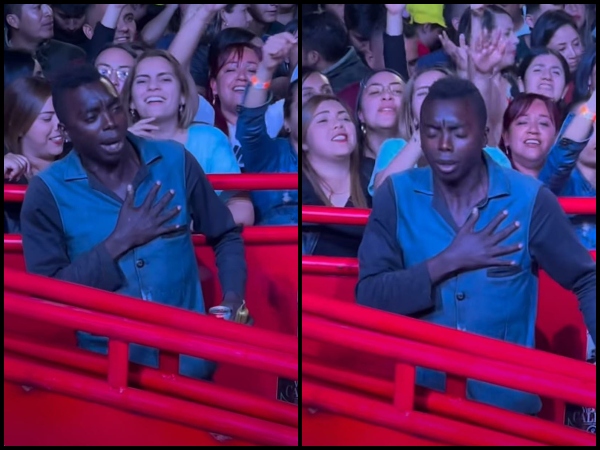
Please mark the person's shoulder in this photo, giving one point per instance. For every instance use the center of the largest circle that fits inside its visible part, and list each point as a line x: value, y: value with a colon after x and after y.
x: 520, y: 183
x: 419, y: 178
x: 199, y: 131
x: 66, y: 48
x: 498, y: 156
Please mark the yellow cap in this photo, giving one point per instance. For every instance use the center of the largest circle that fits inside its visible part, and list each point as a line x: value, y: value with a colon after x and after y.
x: 422, y: 14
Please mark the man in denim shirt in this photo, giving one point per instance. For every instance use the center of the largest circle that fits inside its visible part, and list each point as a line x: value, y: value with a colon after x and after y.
x: 459, y: 243
x: 115, y: 214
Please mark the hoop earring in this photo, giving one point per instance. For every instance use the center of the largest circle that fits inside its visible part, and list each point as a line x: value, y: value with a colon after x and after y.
x: 181, y: 109
x: 133, y: 112
x: 363, y: 129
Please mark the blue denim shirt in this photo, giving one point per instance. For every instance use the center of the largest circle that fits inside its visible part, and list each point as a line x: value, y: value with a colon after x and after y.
x: 164, y: 270
x: 561, y: 175
x: 500, y: 303
x: 263, y: 154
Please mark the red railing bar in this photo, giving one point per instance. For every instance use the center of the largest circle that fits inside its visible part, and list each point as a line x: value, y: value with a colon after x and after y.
x: 211, y: 419
x: 415, y: 423
x: 444, y: 337
x: 278, y: 363
x: 321, y: 265
x: 275, y: 235
x: 155, y: 380
x: 355, y: 216
x: 246, y: 182
x: 539, y: 382
x: 438, y: 403
x: 126, y: 307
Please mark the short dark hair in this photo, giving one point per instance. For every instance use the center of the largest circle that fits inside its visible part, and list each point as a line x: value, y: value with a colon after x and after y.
x: 454, y: 88
x: 17, y: 64
x: 325, y: 34
x: 75, y: 10
x: 73, y: 78
x: 365, y: 19
x: 548, y: 24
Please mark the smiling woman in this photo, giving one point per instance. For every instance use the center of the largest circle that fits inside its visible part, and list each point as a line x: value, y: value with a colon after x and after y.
x: 333, y: 174
x: 30, y: 130
x: 162, y: 101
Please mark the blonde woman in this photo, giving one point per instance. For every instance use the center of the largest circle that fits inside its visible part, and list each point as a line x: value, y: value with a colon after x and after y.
x: 160, y: 90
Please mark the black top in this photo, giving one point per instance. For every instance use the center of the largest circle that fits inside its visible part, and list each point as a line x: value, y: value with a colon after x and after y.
x: 337, y: 240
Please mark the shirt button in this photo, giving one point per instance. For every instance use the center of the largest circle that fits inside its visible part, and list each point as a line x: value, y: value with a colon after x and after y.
x: 140, y: 263
x: 460, y: 296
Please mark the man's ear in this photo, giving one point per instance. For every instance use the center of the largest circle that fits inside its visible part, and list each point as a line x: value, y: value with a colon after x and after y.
x: 529, y: 20
x: 313, y: 58
x: 13, y: 21
x: 88, y: 31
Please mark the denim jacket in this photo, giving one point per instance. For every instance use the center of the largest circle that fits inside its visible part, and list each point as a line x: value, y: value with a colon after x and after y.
x: 265, y: 155
x: 561, y: 175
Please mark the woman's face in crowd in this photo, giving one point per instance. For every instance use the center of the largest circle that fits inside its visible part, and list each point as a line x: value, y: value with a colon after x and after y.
x: 232, y: 79
x: 115, y: 64
x: 421, y: 89
x: 239, y: 17
x: 156, y: 90
x: 504, y: 25
x: 331, y: 134
x: 381, y: 100
x: 566, y: 41
x: 531, y: 135
x: 577, y: 12
x: 546, y: 76
x: 44, y: 139
x: 588, y: 156
x: 315, y: 84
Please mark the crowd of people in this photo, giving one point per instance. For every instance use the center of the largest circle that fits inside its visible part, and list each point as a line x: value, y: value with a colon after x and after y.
x: 459, y: 126
x: 114, y: 115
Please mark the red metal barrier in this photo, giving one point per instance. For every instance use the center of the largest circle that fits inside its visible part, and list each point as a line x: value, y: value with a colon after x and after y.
x: 243, y: 401
x: 446, y: 338
x: 354, y: 356
x: 22, y: 371
x: 249, y: 182
x: 354, y: 216
x: 349, y: 342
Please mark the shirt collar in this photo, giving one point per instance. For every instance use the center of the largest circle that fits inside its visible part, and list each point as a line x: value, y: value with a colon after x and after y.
x: 146, y: 149
x: 350, y: 55
x: 499, y: 184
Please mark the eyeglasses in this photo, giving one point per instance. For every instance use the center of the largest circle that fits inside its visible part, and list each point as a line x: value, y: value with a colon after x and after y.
x: 377, y: 90
x: 107, y: 72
